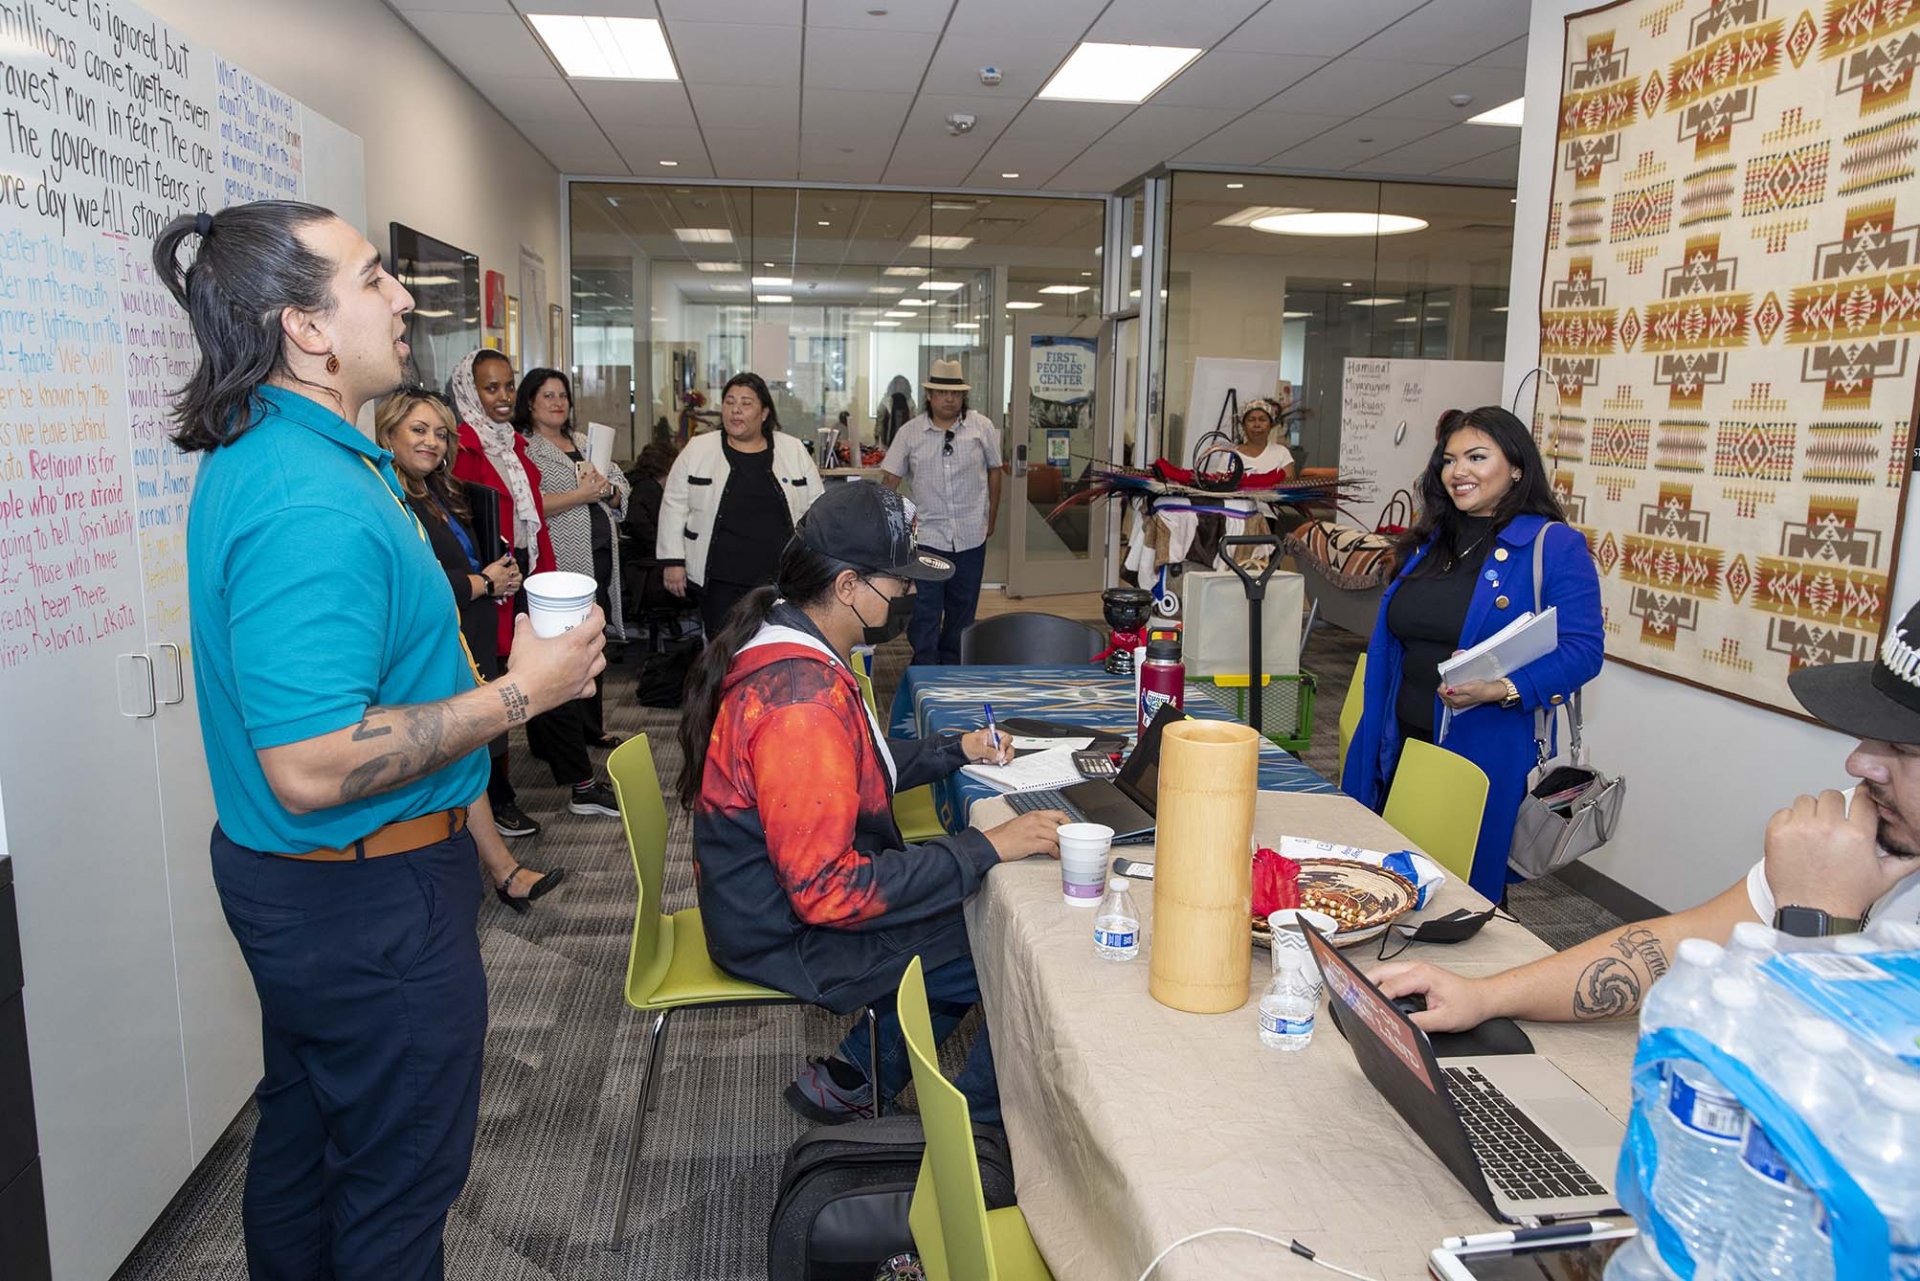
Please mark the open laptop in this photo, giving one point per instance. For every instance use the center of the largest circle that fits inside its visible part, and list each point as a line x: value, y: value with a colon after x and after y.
x: 1518, y: 1133
x: 1126, y: 802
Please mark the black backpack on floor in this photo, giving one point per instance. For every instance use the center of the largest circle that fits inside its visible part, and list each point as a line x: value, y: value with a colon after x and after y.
x: 845, y: 1190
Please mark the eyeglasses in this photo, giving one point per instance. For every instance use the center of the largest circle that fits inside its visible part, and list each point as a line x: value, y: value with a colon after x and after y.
x: 418, y: 391
x: 947, y: 449
x: 1456, y: 926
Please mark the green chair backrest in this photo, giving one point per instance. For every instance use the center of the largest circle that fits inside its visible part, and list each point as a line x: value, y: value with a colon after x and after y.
x: 1350, y: 710
x: 1437, y: 801
x: 643, y: 810
x: 865, y: 682
x: 949, y: 1211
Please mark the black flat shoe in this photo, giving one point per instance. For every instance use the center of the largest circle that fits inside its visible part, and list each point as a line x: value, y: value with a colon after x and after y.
x: 522, y: 905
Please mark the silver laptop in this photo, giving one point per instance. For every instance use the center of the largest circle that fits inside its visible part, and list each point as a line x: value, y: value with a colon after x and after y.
x: 1518, y: 1133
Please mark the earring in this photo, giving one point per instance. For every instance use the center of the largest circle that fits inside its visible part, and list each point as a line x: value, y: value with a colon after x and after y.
x: 333, y: 363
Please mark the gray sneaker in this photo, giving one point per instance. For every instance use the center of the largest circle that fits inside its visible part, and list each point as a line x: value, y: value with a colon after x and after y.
x: 597, y: 799
x: 815, y: 1095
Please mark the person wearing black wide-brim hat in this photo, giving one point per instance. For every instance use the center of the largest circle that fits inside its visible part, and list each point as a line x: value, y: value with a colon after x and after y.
x: 806, y: 884
x: 1835, y: 862
x: 950, y: 457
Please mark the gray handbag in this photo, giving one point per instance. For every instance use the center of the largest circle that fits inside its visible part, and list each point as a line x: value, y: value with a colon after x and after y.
x: 1568, y: 811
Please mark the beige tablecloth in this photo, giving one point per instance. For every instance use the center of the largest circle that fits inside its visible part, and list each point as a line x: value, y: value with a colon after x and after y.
x: 1133, y: 1124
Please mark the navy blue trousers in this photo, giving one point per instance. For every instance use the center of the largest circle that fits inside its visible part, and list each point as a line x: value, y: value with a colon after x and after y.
x: 941, y: 611
x: 373, y: 1009
x: 952, y: 990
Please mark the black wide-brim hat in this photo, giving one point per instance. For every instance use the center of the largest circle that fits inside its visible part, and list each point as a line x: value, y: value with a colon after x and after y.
x: 1879, y: 700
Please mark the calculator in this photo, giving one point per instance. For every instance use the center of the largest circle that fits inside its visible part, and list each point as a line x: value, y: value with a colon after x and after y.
x: 1092, y: 764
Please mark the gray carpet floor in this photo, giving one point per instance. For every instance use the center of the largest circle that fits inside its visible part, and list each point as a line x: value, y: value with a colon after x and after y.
x: 563, y: 1064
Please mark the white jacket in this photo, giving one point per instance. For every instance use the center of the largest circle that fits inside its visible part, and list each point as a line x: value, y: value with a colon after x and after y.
x: 692, y: 498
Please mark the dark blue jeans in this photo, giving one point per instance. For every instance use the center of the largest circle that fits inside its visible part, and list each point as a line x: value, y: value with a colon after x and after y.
x: 373, y: 1010
x: 941, y: 611
x: 952, y: 990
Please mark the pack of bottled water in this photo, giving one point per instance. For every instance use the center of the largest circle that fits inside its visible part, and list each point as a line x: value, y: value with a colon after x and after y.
x: 1776, y: 1129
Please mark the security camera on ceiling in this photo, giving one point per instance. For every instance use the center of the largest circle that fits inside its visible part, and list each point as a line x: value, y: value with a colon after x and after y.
x: 960, y: 122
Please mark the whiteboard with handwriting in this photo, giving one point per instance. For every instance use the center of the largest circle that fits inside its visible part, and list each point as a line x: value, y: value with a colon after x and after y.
x: 141, y: 1019
x: 1388, y: 412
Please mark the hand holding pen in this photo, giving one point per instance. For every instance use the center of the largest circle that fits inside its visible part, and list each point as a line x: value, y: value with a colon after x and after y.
x: 988, y: 745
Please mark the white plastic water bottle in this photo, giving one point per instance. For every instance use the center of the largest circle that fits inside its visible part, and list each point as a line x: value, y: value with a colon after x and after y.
x: 1699, y: 1131
x: 1751, y: 944
x: 1879, y: 1143
x: 1637, y: 1260
x: 1679, y: 999
x: 1778, y: 1221
x: 1291, y: 1001
x: 1116, y: 923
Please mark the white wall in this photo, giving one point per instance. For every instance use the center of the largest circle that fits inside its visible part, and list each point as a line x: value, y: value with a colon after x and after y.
x: 439, y: 158
x: 1705, y: 772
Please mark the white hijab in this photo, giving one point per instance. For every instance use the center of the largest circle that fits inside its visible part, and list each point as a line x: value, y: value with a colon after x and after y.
x: 497, y: 442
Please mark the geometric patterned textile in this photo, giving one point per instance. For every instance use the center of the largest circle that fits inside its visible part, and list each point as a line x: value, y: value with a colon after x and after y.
x: 1728, y: 320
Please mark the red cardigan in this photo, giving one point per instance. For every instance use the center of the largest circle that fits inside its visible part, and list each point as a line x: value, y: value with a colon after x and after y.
x: 472, y: 464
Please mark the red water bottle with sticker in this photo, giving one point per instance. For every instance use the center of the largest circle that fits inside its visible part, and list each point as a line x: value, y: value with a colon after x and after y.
x: 1163, y: 680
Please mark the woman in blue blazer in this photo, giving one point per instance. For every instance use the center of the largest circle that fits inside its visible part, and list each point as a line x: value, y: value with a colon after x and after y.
x: 1467, y: 572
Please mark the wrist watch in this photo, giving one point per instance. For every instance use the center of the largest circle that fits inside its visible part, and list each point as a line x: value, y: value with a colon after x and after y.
x: 1813, y: 923
x: 1513, y: 694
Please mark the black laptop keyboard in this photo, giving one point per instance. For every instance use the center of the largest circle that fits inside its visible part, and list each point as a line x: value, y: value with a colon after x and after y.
x: 1045, y: 799
x: 1515, y: 1154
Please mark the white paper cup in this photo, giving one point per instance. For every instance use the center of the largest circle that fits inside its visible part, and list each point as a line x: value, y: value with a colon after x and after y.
x: 558, y: 602
x: 1083, y: 862
x: 1286, y: 936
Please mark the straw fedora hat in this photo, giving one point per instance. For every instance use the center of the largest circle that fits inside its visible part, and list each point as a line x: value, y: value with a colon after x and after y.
x: 946, y: 376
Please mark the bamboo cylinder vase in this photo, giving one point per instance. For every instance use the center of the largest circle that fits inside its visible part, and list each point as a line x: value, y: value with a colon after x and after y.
x: 1203, y: 871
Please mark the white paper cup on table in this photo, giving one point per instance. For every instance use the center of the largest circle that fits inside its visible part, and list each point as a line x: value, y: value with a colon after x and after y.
x: 558, y: 602
x: 1084, y: 848
x: 1289, y: 945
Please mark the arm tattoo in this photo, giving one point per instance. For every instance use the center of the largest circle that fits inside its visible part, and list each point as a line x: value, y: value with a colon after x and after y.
x: 1645, y: 944
x: 516, y: 703
x: 1606, y: 989
x: 366, y: 729
x: 435, y: 738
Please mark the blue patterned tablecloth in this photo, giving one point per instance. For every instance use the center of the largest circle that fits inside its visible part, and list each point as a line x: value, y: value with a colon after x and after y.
x: 933, y: 700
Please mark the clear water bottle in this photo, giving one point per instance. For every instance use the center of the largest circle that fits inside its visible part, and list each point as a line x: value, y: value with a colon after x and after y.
x: 1879, y: 1143
x: 1291, y: 1001
x: 1778, y: 1217
x: 1637, y: 1260
x: 1751, y: 944
x: 1680, y: 998
x: 1116, y: 923
x: 1699, y: 1132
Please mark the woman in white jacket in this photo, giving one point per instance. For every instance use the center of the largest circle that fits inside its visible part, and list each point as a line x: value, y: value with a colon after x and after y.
x: 731, y: 503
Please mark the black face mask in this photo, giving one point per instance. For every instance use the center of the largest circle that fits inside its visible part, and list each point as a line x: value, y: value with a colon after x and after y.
x: 899, y: 614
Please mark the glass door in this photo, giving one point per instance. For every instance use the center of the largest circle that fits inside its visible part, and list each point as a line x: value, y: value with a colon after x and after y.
x: 1059, y: 432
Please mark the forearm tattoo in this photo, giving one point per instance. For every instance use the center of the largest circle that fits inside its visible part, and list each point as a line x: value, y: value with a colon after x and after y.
x: 1610, y: 987
x: 515, y: 702
x: 430, y: 732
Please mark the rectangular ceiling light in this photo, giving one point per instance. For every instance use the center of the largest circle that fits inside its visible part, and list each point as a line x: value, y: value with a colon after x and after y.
x: 718, y: 266
x: 1065, y: 289
x: 1245, y: 218
x: 941, y: 286
x: 917, y: 302
x: 729, y: 289
x: 704, y: 235
x: 886, y: 289
x: 773, y: 297
x: 1377, y: 302
x: 965, y: 324
x: 773, y: 281
x: 1508, y: 114
x: 886, y: 324
x: 891, y: 271
x: 1116, y: 72
x: 899, y: 315
x: 1024, y: 306
x: 940, y: 242
x: 594, y: 48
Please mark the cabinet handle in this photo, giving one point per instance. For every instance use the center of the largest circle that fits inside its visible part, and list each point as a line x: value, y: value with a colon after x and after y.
x: 176, y: 692
x: 152, y: 706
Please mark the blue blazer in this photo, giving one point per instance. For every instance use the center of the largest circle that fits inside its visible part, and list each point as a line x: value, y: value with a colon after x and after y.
x: 1497, y: 739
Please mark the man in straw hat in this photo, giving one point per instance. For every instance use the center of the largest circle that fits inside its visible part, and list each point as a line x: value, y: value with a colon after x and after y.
x: 1832, y: 861
x: 951, y: 458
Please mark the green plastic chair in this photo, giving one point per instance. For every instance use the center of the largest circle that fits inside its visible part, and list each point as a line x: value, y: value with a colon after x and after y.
x: 958, y: 1238
x: 914, y: 811
x: 1350, y: 710
x: 668, y: 967
x: 1437, y: 801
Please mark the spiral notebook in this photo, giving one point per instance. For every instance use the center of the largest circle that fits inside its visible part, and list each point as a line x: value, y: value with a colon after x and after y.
x: 1034, y: 772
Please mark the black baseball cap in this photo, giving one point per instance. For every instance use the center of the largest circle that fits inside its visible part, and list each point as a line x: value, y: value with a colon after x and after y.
x: 870, y: 527
x: 1878, y: 700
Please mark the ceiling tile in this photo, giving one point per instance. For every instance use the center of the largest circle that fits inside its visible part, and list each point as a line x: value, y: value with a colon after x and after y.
x: 856, y: 111
x: 1342, y: 147
x: 1453, y: 31
x: 1489, y: 87
x: 523, y: 98
x: 574, y: 150
x: 928, y: 120
x: 884, y: 61
x: 1431, y: 154
x: 1224, y: 78
x: 482, y: 44
x: 630, y: 104
x: 1508, y: 56
x: 821, y: 172
x: 1354, y: 86
x: 1025, y: 64
x: 770, y: 13
x: 1189, y: 24
x: 743, y: 106
x: 901, y: 15
x: 753, y: 153
x: 996, y: 18
x: 1316, y: 27
x: 734, y: 53
x: 1078, y: 123
x: 1089, y: 174
x: 453, y: 6
x: 1251, y: 139
x: 1504, y: 164
x: 836, y: 148
x: 1154, y: 133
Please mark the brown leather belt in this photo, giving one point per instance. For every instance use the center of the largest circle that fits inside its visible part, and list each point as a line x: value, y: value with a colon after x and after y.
x: 395, y: 838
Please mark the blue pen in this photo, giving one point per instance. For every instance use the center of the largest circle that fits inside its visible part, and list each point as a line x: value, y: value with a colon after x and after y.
x: 990, y: 727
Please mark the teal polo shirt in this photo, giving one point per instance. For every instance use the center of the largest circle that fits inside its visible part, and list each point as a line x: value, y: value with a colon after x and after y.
x: 314, y: 597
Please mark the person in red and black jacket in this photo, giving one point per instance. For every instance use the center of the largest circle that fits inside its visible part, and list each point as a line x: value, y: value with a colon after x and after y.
x: 805, y: 882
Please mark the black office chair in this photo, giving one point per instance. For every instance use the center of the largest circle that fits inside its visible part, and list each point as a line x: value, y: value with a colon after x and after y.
x: 1029, y: 638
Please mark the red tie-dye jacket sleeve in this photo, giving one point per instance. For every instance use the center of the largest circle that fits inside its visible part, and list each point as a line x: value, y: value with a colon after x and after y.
x: 805, y: 758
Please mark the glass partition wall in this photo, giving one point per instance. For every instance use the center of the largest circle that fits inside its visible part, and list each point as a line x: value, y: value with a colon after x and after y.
x: 840, y: 299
